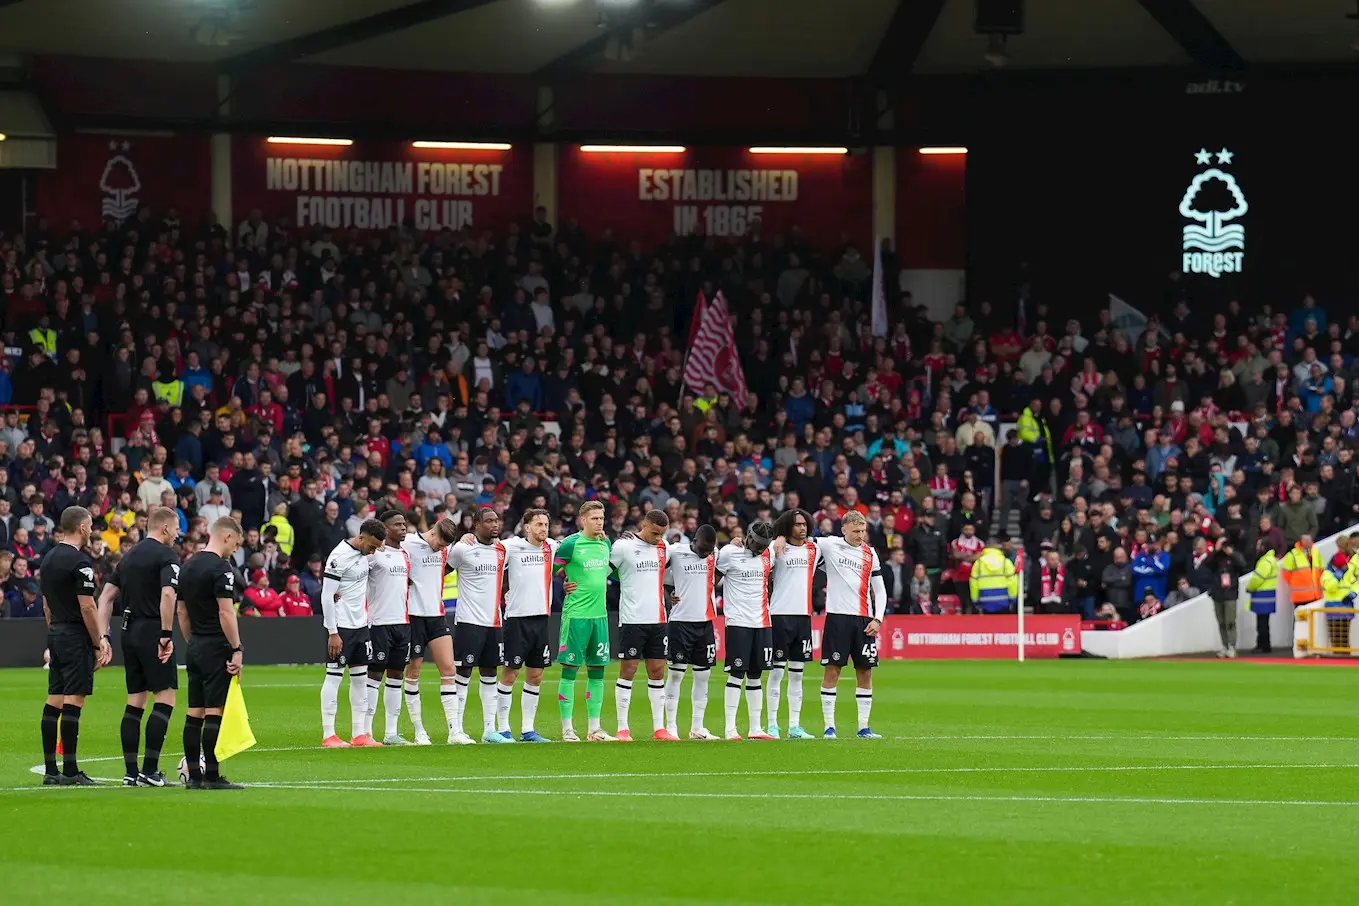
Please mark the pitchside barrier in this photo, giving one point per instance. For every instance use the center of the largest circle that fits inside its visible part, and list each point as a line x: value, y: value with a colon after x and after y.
x: 302, y: 640
x: 1191, y: 627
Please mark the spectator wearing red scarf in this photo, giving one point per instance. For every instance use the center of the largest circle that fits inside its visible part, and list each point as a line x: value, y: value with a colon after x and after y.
x: 1052, y: 584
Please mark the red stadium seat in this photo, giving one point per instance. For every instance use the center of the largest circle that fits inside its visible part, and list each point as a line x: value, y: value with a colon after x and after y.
x: 949, y: 604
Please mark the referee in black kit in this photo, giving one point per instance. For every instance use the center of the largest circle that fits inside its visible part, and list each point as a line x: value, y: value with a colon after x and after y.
x: 207, y: 586
x: 147, y: 578
x: 76, y: 642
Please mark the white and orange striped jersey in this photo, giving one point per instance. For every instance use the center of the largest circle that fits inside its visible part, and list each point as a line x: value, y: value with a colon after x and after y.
x: 389, y: 572
x: 693, y: 577
x: 346, y: 575
x: 481, y: 580
x: 745, y: 585
x: 641, y: 580
x: 529, y: 569
x: 853, y: 575
x: 427, y: 576
x: 793, y: 574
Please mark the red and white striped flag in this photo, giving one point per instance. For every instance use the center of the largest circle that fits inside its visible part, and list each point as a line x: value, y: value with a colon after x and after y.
x: 712, y: 357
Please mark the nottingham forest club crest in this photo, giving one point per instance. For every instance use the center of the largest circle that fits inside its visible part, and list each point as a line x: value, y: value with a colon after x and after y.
x: 1214, y: 241
x: 120, y: 183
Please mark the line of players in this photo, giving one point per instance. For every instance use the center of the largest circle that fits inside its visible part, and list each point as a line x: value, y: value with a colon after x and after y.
x: 383, y: 611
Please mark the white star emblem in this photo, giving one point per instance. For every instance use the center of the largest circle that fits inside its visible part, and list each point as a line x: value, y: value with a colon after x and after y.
x: 1203, y: 157
x: 1224, y: 156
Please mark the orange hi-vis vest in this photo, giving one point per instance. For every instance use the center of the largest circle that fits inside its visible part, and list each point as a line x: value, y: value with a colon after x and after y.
x: 1301, y: 570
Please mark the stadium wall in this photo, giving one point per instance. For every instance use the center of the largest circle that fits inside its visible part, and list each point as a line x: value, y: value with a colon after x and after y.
x: 1191, y: 627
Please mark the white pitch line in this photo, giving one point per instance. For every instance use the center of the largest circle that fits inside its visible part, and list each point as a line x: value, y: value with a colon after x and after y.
x: 1112, y: 800
x: 833, y: 773
x: 38, y: 769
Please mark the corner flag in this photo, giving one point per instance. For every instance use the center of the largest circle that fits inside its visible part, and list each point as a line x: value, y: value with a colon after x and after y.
x: 235, y: 736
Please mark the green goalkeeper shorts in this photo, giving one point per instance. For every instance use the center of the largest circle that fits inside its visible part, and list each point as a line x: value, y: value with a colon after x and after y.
x: 584, y: 640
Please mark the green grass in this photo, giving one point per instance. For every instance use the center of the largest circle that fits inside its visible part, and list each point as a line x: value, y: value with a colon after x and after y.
x: 1042, y: 783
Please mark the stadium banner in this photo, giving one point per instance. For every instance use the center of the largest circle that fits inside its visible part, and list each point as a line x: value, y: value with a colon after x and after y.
x: 381, y: 185
x: 114, y: 175
x: 964, y: 637
x: 719, y: 192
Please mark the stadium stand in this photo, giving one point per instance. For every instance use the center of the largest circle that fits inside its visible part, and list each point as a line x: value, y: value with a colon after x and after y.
x: 301, y: 381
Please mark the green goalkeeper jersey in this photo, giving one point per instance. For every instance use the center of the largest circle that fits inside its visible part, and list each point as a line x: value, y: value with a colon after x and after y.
x: 587, y: 564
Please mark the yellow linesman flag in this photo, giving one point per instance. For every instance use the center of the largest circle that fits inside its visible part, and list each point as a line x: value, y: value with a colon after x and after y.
x: 235, y: 736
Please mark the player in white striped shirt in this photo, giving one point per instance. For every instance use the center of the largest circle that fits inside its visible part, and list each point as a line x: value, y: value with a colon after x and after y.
x: 856, y: 601
x: 749, y: 641
x: 478, y: 643
x: 428, y: 553
x: 790, y: 609
x: 692, y: 571
x: 344, y: 599
x: 528, y: 604
x: 389, y: 579
x: 640, y: 562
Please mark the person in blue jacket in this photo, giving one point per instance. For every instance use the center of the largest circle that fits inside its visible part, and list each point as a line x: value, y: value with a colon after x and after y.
x: 1151, y: 572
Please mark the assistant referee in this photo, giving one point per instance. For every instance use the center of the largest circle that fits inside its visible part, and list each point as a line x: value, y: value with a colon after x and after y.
x: 147, y: 578
x: 207, y: 586
x: 77, y: 644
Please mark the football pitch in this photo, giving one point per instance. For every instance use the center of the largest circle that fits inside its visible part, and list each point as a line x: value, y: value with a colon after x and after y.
x: 1042, y: 783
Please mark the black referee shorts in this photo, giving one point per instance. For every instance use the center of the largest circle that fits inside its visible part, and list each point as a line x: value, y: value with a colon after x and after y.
x: 141, y: 657
x: 208, y: 677
x: 70, y: 669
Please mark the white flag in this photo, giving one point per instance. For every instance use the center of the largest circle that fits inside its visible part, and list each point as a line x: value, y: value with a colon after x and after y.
x: 1124, y: 317
x: 879, y: 294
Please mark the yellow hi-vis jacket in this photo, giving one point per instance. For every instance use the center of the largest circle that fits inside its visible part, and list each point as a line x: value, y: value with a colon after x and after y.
x: 1027, y: 426
x: 1263, y: 584
x: 286, y: 536
x: 994, y: 584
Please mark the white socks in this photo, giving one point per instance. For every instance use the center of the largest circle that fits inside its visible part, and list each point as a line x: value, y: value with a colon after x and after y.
x: 462, y: 686
x: 391, y: 703
x: 794, y: 696
x: 488, y: 704
x: 673, y: 680
x: 448, y: 697
x: 503, y: 696
x: 413, y: 706
x: 622, y: 699
x: 358, y: 700
x: 828, y: 707
x: 374, y: 687
x: 863, y: 700
x: 655, y: 690
x: 733, y: 704
x: 700, y: 696
x: 330, y: 699
x: 773, y: 691
x: 754, y: 704
x: 528, y: 707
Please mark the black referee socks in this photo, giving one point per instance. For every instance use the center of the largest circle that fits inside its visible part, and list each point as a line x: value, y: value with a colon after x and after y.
x: 70, y: 735
x: 157, y: 725
x: 131, y: 732
x: 51, y: 715
x: 212, y: 728
x: 193, y: 746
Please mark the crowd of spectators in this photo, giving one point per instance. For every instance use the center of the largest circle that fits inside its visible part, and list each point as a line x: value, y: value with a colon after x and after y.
x: 304, y: 380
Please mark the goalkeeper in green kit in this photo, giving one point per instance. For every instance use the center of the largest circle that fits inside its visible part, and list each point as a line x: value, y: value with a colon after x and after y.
x: 584, y: 558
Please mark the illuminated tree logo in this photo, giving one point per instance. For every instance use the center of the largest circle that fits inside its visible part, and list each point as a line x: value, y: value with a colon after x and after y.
x: 119, y: 183
x: 1212, y: 244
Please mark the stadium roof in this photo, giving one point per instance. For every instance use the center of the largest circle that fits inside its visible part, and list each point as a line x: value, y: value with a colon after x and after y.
x: 776, y: 38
